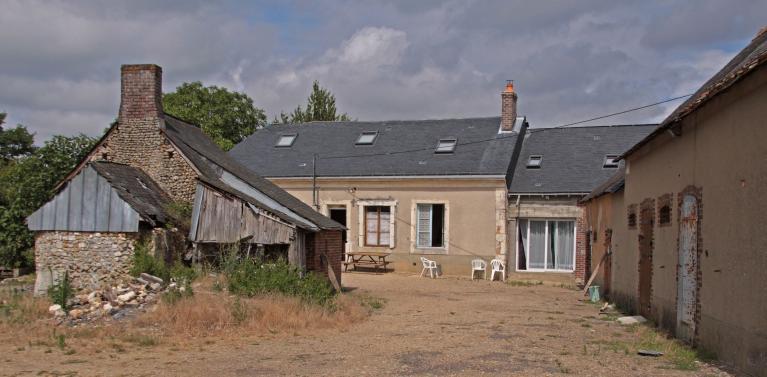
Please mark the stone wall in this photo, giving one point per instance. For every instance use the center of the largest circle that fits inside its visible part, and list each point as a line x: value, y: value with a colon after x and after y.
x: 142, y: 144
x: 92, y: 259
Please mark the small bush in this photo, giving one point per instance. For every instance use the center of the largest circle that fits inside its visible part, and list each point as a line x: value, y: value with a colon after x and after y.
x: 248, y: 278
x: 182, y: 274
x: 61, y: 292
x: 143, y: 262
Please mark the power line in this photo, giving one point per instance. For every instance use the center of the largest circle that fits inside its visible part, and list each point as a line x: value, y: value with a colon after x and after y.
x: 508, y: 136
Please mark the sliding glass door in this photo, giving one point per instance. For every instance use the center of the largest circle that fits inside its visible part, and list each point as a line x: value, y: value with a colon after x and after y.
x: 546, y: 245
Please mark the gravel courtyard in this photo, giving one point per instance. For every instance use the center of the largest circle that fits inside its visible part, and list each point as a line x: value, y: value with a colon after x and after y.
x: 446, y: 326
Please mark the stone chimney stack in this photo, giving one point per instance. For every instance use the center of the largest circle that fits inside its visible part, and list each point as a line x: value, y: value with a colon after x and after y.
x: 141, y: 92
x: 508, y: 107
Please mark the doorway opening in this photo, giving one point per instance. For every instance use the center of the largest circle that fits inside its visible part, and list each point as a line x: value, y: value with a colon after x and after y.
x: 338, y: 214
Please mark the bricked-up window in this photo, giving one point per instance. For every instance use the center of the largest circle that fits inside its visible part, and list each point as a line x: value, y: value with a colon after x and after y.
x: 377, y: 232
x: 664, y: 215
x: 430, y: 227
x: 632, y: 216
x: 664, y: 209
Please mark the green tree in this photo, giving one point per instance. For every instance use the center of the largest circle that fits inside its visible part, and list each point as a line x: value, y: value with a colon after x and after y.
x: 14, y: 142
x: 26, y: 184
x: 227, y: 117
x: 320, y: 106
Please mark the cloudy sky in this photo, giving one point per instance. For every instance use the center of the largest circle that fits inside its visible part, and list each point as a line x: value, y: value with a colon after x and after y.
x: 571, y: 60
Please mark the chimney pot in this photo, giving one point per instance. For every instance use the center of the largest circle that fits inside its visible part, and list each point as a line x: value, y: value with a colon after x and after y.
x: 508, y: 107
x: 141, y: 92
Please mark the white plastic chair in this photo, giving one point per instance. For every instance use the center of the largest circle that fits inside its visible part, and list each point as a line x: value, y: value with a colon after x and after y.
x: 497, y: 266
x: 429, y: 265
x: 478, y: 265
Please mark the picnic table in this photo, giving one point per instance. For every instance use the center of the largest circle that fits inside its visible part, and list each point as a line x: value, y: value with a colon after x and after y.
x: 375, y: 259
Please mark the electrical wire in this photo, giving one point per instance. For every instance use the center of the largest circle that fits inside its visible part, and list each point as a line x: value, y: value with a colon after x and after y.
x: 319, y: 157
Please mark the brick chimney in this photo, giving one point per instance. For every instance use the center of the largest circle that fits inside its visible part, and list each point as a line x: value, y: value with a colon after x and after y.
x: 508, y: 107
x: 141, y: 93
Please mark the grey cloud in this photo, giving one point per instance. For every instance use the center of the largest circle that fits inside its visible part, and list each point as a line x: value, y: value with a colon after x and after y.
x: 383, y: 60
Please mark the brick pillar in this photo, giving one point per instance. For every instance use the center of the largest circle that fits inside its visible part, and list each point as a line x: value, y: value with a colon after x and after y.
x: 141, y: 92
x: 581, y: 250
x: 508, y: 107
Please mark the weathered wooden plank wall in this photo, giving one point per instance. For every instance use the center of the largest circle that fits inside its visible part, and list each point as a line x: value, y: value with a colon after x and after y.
x: 87, y: 204
x: 221, y: 218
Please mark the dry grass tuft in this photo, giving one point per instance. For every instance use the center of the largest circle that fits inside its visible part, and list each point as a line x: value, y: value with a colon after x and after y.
x: 210, y: 314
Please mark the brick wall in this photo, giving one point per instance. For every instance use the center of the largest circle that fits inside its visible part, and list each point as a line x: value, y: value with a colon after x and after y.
x: 328, y: 243
x: 582, y: 261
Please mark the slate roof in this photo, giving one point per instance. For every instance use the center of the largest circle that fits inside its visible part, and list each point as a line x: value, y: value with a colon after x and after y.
x: 210, y: 160
x: 573, y: 157
x: 402, y: 148
x: 611, y: 185
x: 137, y: 189
x: 746, y: 61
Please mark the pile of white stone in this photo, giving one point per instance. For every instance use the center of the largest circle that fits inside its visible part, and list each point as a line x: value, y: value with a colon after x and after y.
x: 115, y: 302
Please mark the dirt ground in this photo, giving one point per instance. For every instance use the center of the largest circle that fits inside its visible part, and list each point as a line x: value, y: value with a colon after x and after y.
x: 446, y: 326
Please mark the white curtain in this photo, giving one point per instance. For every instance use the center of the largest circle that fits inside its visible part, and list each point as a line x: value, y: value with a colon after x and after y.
x: 565, y: 238
x: 385, y: 231
x: 371, y: 220
x: 537, y: 245
x: 523, y: 244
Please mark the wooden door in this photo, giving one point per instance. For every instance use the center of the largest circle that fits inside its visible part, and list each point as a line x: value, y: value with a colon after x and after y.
x: 687, y: 272
x: 646, y: 218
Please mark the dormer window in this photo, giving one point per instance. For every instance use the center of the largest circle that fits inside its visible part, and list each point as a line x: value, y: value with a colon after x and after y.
x: 610, y: 161
x: 367, y: 138
x: 446, y: 146
x: 286, y: 140
x: 534, y: 161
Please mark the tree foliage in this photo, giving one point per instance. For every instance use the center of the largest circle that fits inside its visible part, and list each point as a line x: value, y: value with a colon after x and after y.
x: 14, y: 142
x: 26, y: 183
x: 227, y: 117
x: 320, y: 106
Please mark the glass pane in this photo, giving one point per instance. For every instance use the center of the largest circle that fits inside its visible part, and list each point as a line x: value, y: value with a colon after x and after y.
x: 286, y: 140
x: 424, y: 225
x: 537, y: 243
x: 522, y: 245
x: 385, y: 225
x: 371, y: 230
x: 565, y: 240
x: 367, y: 138
x: 446, y: 146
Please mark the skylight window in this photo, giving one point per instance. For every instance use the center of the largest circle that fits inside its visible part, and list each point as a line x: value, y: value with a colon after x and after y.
x: 610, y: 161
x: 367, y: 138
x: 534, y: 162
x: 445, y: 146
x: 286, y: 140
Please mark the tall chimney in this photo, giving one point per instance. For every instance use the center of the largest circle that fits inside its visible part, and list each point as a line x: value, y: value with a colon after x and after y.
x: 141, y: 93
x: 508, y: 107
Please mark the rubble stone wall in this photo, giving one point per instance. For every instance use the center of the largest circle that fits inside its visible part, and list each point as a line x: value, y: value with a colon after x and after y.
x: 93, y: 259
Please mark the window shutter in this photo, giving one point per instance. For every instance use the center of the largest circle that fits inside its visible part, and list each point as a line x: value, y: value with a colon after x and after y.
x: 424, y: 225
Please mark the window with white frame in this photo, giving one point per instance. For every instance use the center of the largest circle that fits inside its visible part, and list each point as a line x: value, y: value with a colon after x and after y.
x: 546, y: 245
x: 430, y: 225
x: 377, y: 226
